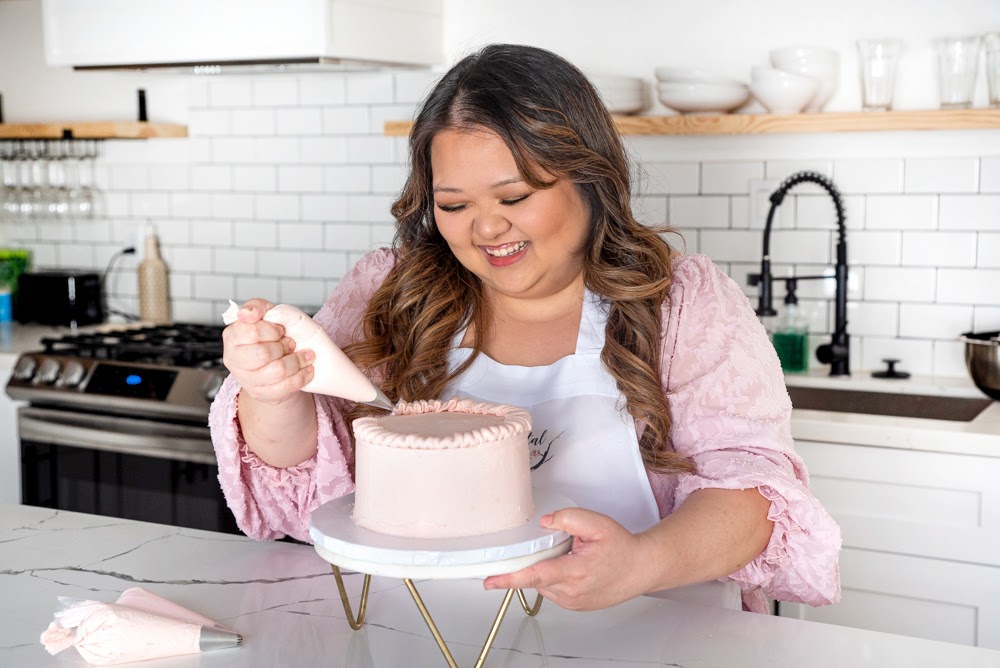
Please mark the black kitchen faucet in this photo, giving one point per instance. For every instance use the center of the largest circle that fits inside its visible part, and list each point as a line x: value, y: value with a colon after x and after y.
x: 837, y: 352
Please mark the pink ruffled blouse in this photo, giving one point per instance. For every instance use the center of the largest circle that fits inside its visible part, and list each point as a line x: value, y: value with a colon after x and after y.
x: 729, y: 412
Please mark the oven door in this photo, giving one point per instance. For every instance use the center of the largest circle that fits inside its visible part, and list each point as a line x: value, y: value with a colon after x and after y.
x: 147, y: 470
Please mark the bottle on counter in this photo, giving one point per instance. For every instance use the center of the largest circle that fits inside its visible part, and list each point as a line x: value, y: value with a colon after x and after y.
x: 790, y: 336
x: 154, y: 296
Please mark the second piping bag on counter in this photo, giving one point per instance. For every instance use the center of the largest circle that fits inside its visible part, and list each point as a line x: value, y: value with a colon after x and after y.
x: 335, y: 374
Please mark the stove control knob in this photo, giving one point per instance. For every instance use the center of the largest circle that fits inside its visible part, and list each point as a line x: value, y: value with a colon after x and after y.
x: 25, y: 368
x: 73, y: 374
x: 48, y: 371
x: 212, y: 386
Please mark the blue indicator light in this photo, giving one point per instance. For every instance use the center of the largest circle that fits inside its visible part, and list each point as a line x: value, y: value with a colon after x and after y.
x: 133, y: 379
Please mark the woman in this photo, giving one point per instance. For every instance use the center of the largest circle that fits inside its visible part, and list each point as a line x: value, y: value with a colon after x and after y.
x: 519, y: 275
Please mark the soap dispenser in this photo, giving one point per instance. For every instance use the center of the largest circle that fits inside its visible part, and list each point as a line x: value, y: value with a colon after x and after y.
x: 154, y: 297
x: 791, y: 334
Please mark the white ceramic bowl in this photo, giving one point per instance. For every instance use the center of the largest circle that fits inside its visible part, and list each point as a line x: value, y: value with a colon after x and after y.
x: 814, y: 61
x: 702, y: 97
x: 783, y: 92
x: 690, y: 75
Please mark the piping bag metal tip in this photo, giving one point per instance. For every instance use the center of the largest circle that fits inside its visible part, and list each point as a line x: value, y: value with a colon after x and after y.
x: 215, y: 638
x: 380, y: 401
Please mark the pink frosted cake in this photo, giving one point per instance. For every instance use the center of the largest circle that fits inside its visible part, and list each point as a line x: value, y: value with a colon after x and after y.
x: 437, y: 469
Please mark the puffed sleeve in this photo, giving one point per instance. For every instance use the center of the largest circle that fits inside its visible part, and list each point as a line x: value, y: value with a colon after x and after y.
x: 270, y: 502
x: 731, y: 414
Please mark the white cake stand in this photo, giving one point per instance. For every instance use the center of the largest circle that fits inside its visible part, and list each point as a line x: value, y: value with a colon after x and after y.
x: 338, y: 540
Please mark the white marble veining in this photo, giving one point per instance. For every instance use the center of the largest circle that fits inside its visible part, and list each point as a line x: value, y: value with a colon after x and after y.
x: 283, y: 599
x: 980, y: 436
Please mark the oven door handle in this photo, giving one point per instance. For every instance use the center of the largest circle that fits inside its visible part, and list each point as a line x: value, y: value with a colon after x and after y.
x: 115, y: 434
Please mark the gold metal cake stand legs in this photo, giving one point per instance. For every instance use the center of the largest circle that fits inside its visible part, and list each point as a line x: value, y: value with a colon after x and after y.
x: 356, y: 624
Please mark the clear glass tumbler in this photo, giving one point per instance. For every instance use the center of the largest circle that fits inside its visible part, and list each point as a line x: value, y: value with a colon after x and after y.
x: 958, y: 59
x: 991, y: 44
x: 878, y: 59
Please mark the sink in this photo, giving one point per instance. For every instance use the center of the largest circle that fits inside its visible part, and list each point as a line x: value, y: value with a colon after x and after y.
x: 956, y: 409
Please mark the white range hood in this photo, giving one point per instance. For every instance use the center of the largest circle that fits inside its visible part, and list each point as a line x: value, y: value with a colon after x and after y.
x: 241, y: 35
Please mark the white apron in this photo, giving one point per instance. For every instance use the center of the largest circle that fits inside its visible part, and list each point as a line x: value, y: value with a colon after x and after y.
x: 582, y: 446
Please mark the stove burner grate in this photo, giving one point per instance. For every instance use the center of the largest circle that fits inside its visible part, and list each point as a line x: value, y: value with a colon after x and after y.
x: 184, y: 345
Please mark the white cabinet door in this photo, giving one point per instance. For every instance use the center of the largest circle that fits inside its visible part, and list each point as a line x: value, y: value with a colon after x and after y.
x: 10, y: 456
x: 927, y: 598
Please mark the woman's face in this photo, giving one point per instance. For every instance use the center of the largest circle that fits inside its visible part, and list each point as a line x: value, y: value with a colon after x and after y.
x: 522, y: 242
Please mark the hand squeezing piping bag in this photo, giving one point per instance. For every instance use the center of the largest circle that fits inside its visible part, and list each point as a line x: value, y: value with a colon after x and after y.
x: 335, y: 374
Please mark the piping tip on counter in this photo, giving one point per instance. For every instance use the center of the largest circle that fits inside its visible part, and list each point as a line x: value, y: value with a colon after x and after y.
x: 215, y: 638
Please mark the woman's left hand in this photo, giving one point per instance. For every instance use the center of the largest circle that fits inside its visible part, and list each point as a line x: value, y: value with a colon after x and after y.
x: 605, y: 567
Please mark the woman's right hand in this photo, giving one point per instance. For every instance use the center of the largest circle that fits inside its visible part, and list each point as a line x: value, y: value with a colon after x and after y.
x: 261, y: 358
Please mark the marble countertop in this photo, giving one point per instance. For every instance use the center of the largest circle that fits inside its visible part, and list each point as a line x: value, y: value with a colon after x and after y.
x: 980, y: 436
x: 283, y: 599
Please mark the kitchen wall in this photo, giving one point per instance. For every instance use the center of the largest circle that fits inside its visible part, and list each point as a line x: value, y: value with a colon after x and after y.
x: 287, y: 179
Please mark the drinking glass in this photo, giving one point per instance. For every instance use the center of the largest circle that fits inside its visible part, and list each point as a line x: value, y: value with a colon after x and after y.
x: 958, y: 58
x: 877, y: 59
x: 991, y: 42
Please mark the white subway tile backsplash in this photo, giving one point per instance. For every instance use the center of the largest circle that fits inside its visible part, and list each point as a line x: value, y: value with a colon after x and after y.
x: 345, y: 120
x: 372, y: 149
x: 968, y: 286
x: 187, y: 258
x: 172, y: 231
x: 941, y: 175
x: 949, y: 358
x: 382, y: 235
x: 304, y: 293
x: 181, y: 286
x: 939, y: 249
x: 211, y: 177
x: 970, y: 212
x: 300, y: 179
x: 345, y: 236
x: 810, y: 246
x: 989, y: 175
x: 214, y: 233
x: 197, y: 92
x: 255, y: 178
x: 249, y: 287
x: 370, y: 88
x: 303, y: 236
x: 324, y: 208
x: 234, y: 261
x: 872, y: 247
x: 872, y: 318
x: 900, y: 284
x: 201, y: 149
x: 148, y: 205
x: 214, y: 286
x: 322, y: 89
x: 324, y: 150
x: 233, y: 91
x: 169, y: 177
x: 818, y: 212
x: 92, y: 231
x: 651, y: 210
x: 274, y: 206
x: 277, y: 150
x: 701, y: 212
x: 358, y: 178
x: 668, y: 178
x: 324, y: 265
x: 129, y: 177
x: 304, y: 121
x: 187, y: 310
x: 55, y: 230
x: 248, y: 234
x: 985, y: 318
x: 233, y: 205
x: 988, y: 250
x: 369, y: 208
x: 43, y: 254
x: 871, y: 176
x: 233, y: 150
x: 191, y: 205
x: 901, y: 212
x: 729, y: 177
x: 275, y: 91
x: 209, y: 122
x: 730, y: 245
x: 934, y: 321
x: 779, y: 170
x: 386, y: 179
x: 278, y: 263
x: 413, y: 87
x: 380, y: 114
x: 254, y: 122
x: 76, y: 255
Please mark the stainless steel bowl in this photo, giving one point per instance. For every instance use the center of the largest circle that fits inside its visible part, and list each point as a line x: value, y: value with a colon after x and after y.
x: 982, y: 359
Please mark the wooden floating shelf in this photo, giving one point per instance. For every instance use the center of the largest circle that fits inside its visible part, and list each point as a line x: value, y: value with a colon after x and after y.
x: 759, y: 124
x: 92, y: 130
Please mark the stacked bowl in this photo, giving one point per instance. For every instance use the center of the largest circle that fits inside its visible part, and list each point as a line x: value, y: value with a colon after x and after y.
x: 782, y: 92
x: 811, y: 61
x: 693, y: 91
x: 621, y: 95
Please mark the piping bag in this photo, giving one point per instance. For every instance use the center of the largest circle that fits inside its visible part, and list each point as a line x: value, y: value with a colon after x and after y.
x: 335, y: 373
x: 140, y: 625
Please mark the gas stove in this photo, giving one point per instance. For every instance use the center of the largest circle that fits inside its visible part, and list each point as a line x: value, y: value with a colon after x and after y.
x: 167, y: 370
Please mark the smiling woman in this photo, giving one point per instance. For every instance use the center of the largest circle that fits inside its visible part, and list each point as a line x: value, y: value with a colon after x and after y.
x: 519, y: 275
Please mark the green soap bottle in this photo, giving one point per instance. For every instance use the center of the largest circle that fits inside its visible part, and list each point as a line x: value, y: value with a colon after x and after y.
x: 790, y: 337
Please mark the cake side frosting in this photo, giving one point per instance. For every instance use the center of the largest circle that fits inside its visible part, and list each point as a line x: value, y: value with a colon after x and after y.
x: 443, y: 469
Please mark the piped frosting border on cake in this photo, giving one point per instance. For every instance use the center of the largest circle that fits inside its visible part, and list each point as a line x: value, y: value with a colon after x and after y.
x: 515, y: 421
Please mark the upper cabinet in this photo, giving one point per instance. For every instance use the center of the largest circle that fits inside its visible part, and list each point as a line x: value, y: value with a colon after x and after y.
x: 126, y: 34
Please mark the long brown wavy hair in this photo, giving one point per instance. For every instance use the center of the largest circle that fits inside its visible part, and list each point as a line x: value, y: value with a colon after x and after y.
x: 552, y: 119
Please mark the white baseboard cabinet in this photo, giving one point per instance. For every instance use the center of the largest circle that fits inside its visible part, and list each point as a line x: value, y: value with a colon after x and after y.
x: 921, y: 535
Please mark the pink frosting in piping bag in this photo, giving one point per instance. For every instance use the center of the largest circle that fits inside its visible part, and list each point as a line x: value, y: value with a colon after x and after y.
x: 335, y: 374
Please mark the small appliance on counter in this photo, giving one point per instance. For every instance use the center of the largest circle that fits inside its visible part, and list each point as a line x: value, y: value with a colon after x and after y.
x: 61, y: 298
